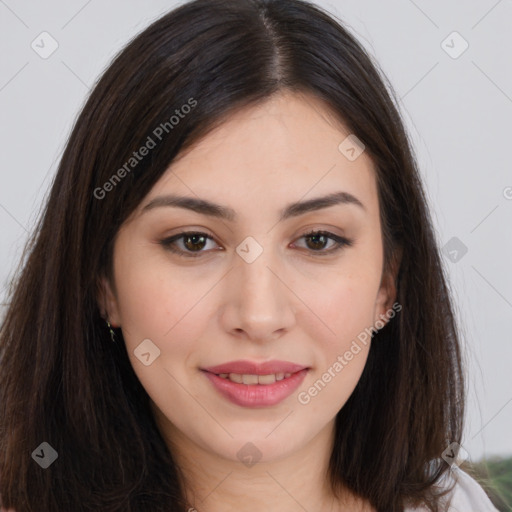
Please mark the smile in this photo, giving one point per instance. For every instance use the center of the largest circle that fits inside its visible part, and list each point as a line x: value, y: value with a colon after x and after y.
x: 255, y: 379
x: 249, y: 384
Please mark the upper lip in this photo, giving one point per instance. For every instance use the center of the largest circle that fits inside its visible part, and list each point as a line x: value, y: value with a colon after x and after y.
x: 253, y: 368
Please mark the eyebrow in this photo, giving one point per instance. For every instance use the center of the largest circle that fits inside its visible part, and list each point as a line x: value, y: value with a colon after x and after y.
x: 205, y: 207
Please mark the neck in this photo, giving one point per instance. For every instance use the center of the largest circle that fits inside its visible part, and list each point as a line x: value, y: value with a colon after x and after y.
x: 299, y: 481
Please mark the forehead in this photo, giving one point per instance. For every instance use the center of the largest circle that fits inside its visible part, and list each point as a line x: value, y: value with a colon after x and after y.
x: 281, y: 150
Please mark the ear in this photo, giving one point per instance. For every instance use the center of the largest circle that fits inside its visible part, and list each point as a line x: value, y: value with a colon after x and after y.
x: 386, y: 296
x: 107, y: 302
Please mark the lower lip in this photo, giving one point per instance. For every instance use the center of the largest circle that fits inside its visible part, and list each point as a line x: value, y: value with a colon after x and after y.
x: 257, y: 395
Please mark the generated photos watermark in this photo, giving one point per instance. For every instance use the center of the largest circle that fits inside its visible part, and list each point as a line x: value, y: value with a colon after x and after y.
x: 149, y: 144
x: 304, y: 397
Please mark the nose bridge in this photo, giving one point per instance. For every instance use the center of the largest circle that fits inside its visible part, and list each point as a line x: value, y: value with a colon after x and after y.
x: 253, y: 269
x: 260, y: 299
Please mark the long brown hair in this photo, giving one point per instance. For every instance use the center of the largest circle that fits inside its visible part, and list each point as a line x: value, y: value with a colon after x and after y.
x: 65, y: 383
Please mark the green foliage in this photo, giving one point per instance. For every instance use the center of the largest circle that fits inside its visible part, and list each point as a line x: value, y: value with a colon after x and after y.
x: 495, y: 476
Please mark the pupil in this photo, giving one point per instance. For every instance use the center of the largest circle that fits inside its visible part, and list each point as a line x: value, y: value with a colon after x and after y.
x: 195, y: 237
x: 315, y: 240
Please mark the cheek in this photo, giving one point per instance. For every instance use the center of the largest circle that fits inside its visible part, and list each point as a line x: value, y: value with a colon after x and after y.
x: 159, y: 306
x: 345, y: 306
x: 346, y: 309
x: 153, y: 300
x: 341, y: 357
x: 348, y: 303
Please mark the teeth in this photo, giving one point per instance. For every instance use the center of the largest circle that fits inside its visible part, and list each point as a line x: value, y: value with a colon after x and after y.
x: 265, y: 379
x: 255, y: 379
x: 248, y: 379
x: 235, y: 377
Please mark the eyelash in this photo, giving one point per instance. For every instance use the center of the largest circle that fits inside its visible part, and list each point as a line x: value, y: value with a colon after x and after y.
x: 340, y: 243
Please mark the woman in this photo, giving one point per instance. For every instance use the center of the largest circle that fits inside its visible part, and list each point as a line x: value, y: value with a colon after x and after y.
x: 234, y: 299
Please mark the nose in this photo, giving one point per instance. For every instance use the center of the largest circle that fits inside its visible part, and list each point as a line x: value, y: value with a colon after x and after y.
x: 260, y: 305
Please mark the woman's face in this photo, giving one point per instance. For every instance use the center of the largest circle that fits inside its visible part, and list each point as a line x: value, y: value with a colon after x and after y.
x: 251, y: 287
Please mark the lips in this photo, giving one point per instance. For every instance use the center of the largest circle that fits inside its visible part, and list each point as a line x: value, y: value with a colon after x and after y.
x: 250, y: 384
x: 252, y: 368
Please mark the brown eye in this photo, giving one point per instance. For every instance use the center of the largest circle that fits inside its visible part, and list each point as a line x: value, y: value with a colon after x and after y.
x: 317, y: 241
x: 192, y: 242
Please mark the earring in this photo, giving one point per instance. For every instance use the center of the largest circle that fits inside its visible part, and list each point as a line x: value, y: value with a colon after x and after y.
x: 112, y: 333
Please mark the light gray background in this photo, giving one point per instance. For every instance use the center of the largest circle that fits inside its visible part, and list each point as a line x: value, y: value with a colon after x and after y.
x: 458, y: 112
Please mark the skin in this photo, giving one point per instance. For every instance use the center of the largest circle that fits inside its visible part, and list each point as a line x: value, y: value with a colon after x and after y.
x: 291, y: 303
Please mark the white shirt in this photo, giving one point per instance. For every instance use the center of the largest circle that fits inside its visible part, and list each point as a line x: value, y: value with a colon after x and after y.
x: 466, y: 496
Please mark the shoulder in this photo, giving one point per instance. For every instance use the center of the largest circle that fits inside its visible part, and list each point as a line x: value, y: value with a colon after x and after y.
x: 466, y: 496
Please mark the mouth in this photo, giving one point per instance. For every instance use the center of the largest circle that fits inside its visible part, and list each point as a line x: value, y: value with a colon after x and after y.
x: 252, y: 379
x: 250, y: 384
x: 240, y: 367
